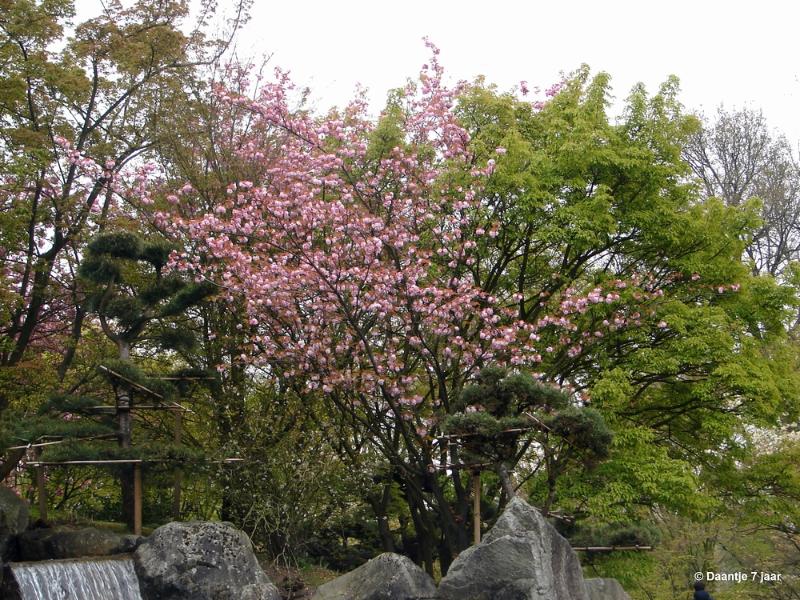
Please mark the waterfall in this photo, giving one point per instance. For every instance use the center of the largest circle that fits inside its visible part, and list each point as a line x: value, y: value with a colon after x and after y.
x: 103, y: 579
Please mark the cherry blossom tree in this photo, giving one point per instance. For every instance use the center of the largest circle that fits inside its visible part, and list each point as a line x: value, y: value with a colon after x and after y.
x: 364, y: 251
x: 370, y: 269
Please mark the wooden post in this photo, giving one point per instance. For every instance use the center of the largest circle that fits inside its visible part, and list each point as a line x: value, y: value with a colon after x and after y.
x: 476, y: 508
x: 137, y: 499
x: 178, y: 473
x: 41, y: 490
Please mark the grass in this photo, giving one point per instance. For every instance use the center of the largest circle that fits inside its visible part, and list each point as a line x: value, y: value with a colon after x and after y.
x: 315, y: 576
x: 297, y: 583
x: 70, y: 518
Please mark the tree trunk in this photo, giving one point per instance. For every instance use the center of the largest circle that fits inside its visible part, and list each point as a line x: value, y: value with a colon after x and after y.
x: 476, y: 508
x: 37, y: 299
x: 177, y: 474
x: 124, y: 435
x: 426, y: 540
x: 10, y: 461
x: 435, y: 524
x: 72, y: 345
x: 410, y: 546
x: 380, y: 508
x: 455, y: 533
x: 505, y: 480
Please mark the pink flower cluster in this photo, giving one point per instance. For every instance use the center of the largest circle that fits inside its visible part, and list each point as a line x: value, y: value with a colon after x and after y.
x: 356, y: 261
x: 355, y: 266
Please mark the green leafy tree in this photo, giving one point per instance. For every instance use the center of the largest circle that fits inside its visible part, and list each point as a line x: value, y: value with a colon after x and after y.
x: 78, y: 106
x: 585, y: 203
x: 586, y: 232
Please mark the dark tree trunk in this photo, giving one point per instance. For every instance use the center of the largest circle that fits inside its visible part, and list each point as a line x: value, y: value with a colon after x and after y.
x: 72, y: 346
x: 426, y: 539
x: 10, y: 461
x: 380, y: 506
x: 124, y: 435
x: 438, y: 532
x: 128, y: 495
x: 505, y: 480
x: 455, y: 536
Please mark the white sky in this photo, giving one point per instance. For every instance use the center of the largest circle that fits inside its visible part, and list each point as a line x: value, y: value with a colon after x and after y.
x: 733, y: 53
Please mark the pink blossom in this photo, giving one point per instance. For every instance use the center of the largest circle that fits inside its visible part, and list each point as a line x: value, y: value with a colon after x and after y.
x: 361, y: 282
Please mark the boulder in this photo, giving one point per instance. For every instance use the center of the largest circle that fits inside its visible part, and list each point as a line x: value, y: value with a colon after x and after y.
x: 604, y: 588
x: 521, y: 558
x: 385, y: 577
x: 65, y: 541
x: 13, y: 521
x: 200, y: 561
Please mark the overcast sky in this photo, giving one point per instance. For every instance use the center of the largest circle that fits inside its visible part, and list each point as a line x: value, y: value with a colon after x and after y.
x: 724, y: 52
x: 736, y: 53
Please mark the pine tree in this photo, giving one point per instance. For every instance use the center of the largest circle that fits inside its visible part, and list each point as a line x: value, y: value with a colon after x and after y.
x: 503, y: 413
x: 138, y: 306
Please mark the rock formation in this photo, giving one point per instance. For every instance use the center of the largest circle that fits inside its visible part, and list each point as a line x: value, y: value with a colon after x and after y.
x: 521, y: 558
x: 71, y: 542
x: 386, y: 577
x: 200, y: 561
x: 603, y: 588
x: 13, y: 521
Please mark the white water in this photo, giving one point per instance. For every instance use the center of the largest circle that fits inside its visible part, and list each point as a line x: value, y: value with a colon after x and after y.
x: 111, y: 579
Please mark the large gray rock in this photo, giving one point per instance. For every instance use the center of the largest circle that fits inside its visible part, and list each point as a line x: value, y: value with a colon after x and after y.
x: 13, y: 521
x: 71, y: 542
x: 604, y: 588
x: 521, y: 558
x: 200, y: 561
x: 385, y: 577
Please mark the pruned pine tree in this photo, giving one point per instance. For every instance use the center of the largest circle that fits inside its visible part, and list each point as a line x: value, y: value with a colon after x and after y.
x: 504, y: 417
x: 81, y: 103
x: 138, y: 306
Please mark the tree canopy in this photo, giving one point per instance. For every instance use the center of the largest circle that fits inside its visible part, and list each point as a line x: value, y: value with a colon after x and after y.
x: 593, y: 312
x: 384, y: 263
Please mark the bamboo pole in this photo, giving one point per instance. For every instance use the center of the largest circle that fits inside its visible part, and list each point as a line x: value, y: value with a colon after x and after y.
x: 123, y: 461
x: 169, y: 406
x: 612, y: 548
x: 184, y: 378
x: 115, y: 461
x: 455, y: 466
x: 137, y: 499
x: 453, y: 436
x: 131, y: 382
x: 63, y: 441
x: 137, y: 407
x: 476, y: 508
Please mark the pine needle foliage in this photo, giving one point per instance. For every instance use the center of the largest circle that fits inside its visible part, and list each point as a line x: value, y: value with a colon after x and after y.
x: 501, y: 409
